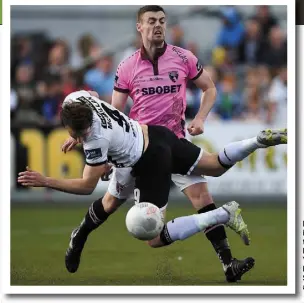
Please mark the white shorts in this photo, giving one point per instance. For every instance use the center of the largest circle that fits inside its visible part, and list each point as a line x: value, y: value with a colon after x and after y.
x: 122, y: 182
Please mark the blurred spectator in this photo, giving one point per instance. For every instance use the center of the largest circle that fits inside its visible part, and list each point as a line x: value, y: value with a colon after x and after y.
x: 251, y: 77
x: 266, y: 19
x: 275, y: 50
x: 232, y: 30
x: 24, y: 76
x: 264, y: 81
x: 101, y: 77
x: 255, y: 86
x: 86, y: 46
x: 224, y: 60
x: 254, y: 107
x: 24, y: 84
x: 52, y: 99
x: 277, y: 99
x: 135, y: 45
x: 68, y: 81
x: 250, y: 48
x: 22, y: 54
x: 27, y: 115
x: 177, y: 35
x: 58, y: 57
x: 25, y: 51
x: 228, y: 103
x: 25, y: 108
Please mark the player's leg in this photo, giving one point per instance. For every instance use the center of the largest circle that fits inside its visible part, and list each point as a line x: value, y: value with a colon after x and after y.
x: 152, y: 184
x: 182, y: 228
x: 153, y: 175
x: 120, y: 187
x: 217, y: 164
x: 196, y: 190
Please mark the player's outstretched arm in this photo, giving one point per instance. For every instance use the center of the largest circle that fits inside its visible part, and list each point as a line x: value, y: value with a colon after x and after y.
x: 82, y: 186
x: 207, y: 86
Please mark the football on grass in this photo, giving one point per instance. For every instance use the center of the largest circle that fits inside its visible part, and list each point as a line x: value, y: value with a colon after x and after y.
x: 144, y: 221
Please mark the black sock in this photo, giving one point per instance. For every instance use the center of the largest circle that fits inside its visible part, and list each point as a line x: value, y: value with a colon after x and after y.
x: 95, y: 216
x: 217, y: 236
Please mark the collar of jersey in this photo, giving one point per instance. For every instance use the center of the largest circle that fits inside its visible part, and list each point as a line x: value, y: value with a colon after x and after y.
x: 159, y: 52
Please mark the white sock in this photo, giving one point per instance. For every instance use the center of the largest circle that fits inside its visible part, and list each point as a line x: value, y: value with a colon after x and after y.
x: 184, y: 227
x: 238, y: 151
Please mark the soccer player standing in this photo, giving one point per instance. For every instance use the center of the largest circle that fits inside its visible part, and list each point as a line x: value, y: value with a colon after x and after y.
x: 155, y: 77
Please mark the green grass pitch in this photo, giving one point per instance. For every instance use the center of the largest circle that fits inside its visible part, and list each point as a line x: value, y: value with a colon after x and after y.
x: 40, y: 235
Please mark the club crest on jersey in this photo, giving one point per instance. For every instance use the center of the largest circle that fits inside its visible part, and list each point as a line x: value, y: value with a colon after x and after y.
x: 173, y: 76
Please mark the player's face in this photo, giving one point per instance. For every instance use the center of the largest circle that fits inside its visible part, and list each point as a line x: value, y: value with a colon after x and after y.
x: 80, y: 135
x: 153, y: 27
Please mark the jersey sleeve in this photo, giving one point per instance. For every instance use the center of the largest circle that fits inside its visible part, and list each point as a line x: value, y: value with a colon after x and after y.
x: 195, y: 68
x: 121, y: 83
x: 96, y: 151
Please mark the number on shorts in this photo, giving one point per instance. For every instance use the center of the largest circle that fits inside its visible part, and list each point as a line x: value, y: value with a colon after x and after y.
x: 136, y: 195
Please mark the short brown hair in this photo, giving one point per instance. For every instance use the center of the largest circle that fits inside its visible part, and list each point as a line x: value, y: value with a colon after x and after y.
x: 77, y: 116
x: 149, y: 8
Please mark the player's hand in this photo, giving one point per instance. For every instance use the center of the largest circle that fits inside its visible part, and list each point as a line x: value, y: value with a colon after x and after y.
x: 69, y: 144
x: 196, y: 127
x: 108, y: 173
x: 31, y: 178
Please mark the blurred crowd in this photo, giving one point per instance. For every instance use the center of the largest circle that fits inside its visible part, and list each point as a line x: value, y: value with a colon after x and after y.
x: 248, y: 64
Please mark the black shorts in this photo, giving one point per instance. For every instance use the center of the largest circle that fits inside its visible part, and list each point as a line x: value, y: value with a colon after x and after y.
x: 166, y: 154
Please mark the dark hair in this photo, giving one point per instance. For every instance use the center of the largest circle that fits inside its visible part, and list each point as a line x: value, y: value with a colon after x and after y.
x: 77, y: 116
x: 149, y: 8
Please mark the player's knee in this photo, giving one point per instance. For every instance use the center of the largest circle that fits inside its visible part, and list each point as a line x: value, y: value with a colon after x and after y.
x: 111, y: 203
x: 199, y: 195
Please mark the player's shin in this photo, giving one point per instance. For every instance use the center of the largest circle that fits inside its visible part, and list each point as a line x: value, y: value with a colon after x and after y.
x: 237, y: 151
x: 217, y: 236
x: 95, y: 216
x: 184, y: 227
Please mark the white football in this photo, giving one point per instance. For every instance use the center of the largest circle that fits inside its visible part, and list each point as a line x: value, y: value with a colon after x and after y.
x: 145, y: 221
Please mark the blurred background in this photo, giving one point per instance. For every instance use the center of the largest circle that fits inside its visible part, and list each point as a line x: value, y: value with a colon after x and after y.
x: 59, y: 49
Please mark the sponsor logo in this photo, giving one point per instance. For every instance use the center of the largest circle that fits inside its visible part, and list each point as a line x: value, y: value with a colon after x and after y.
x: 141, y: 80
x: 93, y: 153
x: 173, y: 76
x: 159, y: 90
x: 156, y: 78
